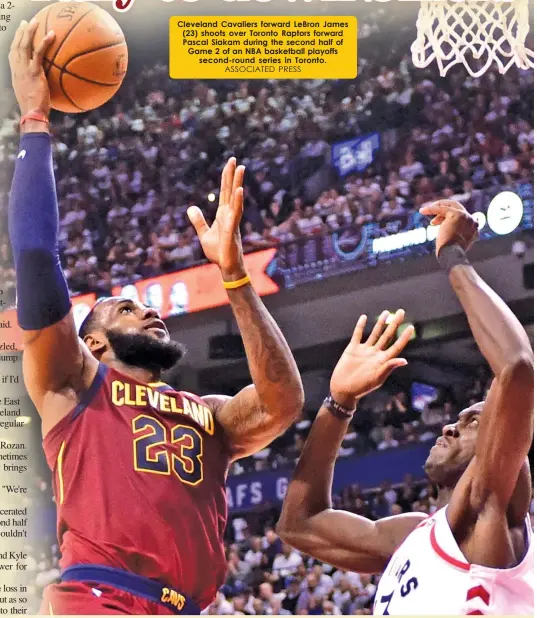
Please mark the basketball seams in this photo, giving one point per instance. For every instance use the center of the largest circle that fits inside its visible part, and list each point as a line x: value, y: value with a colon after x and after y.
x: 66, y: 95
x: 95, y: 49
x: 64, y: 72
x: 91, y: 51
x: 84, y: 79
x: 70, y: 99
x: 69, y: 32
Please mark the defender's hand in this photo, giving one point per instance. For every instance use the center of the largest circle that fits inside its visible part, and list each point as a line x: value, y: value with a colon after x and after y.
x: 456, y: 224
x: 364, y: 367
x: 221, y: 242
x: 27, y: 74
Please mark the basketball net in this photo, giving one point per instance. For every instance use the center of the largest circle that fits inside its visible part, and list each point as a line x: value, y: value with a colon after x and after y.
x: 457, y: 31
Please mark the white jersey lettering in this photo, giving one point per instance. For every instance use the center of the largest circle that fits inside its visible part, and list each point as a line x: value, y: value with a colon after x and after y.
x: 428, y: 574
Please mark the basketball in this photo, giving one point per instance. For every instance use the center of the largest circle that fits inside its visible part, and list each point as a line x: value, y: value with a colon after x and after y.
x: 87, y: 61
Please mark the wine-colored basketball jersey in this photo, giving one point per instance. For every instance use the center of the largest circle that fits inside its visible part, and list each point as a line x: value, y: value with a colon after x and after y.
x: 139, y: 479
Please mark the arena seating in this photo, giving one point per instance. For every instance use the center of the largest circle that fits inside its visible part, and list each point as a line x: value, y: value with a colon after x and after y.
x: 127, y: 172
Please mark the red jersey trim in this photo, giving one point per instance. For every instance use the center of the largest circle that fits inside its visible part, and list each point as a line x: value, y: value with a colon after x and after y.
x: 425, y: 521
x: 442, y: 554
x: 479, y: 592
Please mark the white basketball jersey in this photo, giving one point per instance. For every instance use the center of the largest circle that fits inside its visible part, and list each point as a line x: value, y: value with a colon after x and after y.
x: 428, y: 574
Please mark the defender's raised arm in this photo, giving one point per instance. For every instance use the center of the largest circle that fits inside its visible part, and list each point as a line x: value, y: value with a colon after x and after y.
x: 308, y: 521
x: 506, y: 420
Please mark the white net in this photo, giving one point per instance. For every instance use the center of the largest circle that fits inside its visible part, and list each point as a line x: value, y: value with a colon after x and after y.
x: 476, y: 33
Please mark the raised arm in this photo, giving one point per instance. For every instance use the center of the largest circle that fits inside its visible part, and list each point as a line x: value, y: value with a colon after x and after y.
x: 308, y: 521
x: 54, y: 363
x: 506, y: 422
x: 261, y: 412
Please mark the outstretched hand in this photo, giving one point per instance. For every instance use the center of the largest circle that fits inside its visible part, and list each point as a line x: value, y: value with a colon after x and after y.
x: 364, y: 367
x: 456, y: 224
x: 221, y: 242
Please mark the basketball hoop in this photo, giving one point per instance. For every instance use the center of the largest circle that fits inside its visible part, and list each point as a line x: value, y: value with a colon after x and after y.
x: 487, y: 31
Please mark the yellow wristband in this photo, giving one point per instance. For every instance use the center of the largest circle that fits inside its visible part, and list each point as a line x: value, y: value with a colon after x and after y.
x: 233, y: 285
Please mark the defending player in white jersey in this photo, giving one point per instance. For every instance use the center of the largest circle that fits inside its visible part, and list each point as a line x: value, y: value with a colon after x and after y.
x: 475, y: 554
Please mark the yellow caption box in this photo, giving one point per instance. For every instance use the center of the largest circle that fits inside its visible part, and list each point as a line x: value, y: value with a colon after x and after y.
x: 263, y: 47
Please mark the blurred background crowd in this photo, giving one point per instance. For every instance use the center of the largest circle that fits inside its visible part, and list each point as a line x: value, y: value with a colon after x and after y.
x: 127, y: 173
x: 388, y: 418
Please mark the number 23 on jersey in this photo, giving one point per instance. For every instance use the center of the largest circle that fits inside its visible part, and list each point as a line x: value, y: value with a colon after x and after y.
x: 151, y: 445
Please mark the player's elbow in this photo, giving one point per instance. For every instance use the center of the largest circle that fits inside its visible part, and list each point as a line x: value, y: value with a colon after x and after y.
x: 283, y: 529
x: 292, y: 519
x: 294, y: 412
x: 519, y: 373
x: 291, y: 530
x: 288, y: 408
x: 297, y: 399
x: 295, y: 539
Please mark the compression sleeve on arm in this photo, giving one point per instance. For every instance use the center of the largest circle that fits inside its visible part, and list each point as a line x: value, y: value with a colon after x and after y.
x: 42, y: 292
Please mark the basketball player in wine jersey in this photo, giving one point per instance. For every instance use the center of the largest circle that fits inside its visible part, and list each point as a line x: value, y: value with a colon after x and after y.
x: 475, y: 554
x: 139, y: 468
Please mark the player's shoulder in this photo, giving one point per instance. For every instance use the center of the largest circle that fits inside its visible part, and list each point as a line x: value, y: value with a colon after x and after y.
x: 215, y: 402
x: 395, y: 530
x: 405, y: 521
x: 410, y: 522
x: 209, y: 401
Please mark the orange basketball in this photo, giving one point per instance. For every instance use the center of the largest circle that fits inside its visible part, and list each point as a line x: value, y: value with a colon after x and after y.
x: 87, y: 61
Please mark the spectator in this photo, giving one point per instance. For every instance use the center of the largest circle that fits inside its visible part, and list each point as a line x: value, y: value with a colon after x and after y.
x: 254, y: 556
x: 272, y: 546
x: 291, y: 595
x: 237, y: 569
x: 265, y: 597
x: 388, y: 441
x: 285, y: 564
x: 240, y: 526
x: 310, y: 593
x: 342, y: 593
x: 276, y: 608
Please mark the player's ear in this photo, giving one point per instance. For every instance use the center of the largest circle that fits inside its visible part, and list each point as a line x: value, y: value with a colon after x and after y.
x: 96, y: 343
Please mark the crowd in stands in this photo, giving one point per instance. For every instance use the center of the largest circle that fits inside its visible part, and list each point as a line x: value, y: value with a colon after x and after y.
x: 386, y: 419
x: 266, y: 576
x: 127, y: 172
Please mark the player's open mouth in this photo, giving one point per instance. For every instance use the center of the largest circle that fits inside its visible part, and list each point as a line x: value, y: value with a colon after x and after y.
x: 156, y: 325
